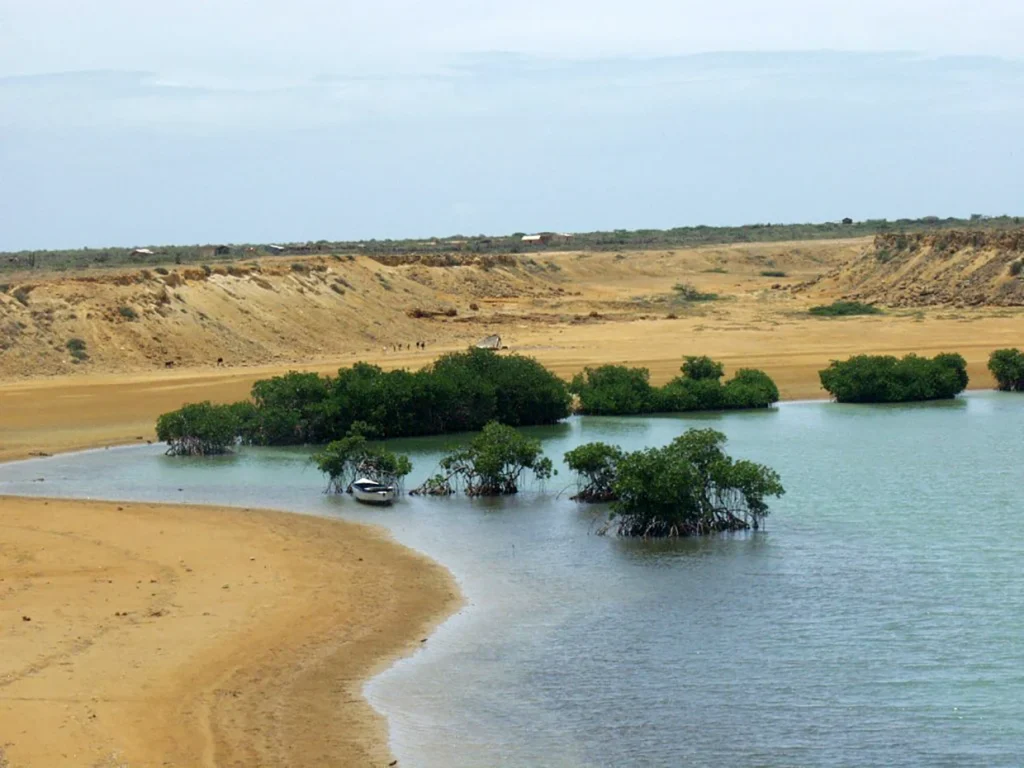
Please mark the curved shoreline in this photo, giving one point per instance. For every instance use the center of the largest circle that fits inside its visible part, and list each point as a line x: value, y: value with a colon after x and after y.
x: 202, y: 635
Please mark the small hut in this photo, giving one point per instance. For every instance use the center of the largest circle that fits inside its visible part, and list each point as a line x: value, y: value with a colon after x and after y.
x: 490, y: 342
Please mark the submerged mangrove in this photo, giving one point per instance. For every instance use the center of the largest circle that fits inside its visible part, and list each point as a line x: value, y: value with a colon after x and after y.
x: 691, y: 487
x: 492, y: 464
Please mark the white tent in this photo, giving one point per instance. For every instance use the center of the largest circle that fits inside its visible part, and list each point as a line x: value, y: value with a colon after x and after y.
x: 490, y: 342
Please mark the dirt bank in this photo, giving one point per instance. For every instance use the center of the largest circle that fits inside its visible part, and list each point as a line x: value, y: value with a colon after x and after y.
x: 146, y: 635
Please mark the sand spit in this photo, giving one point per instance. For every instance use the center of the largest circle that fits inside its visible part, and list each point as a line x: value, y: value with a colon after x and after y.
x: 164, y: 635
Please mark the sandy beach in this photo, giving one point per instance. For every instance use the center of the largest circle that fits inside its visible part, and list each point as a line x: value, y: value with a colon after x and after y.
x: 153, y: 635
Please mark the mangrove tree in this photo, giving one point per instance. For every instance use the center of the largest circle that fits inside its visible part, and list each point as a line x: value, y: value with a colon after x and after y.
x: 491, y: 464
x: 1007, y: 366
x: 887, y: 379
x: 689, y: 488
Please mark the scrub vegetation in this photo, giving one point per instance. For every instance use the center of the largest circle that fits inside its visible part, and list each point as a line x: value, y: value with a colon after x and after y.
x: 844, y: 309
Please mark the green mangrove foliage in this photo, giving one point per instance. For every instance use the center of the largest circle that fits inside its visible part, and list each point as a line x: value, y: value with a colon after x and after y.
x: 596, y: 466
x: 613, y: 390
x: 460, y: 392
x: 690, y: 487
x: 1007, y: 366
x: 618, y: 390
x: 198, y: 429
x: 844, y: 309
x: 345, y: 461
x: 886, y: 379
x: 492, y: 464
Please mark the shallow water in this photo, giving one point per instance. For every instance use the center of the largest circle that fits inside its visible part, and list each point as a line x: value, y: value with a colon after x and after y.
x: 876, y: 622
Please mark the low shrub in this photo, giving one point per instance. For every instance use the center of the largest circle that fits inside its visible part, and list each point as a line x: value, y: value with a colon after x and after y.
x: 844, y: 309
x: 688, y: 292
x: 772, y: 273
x: 77, y: 349
x: 1017, y: 267
x: 127, y: 313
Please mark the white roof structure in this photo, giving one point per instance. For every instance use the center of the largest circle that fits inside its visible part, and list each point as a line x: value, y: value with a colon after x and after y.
x: 143, y: 251
x: 490, y: 342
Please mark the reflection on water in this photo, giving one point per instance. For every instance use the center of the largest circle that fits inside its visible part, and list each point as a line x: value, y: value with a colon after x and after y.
x: 877, y: 621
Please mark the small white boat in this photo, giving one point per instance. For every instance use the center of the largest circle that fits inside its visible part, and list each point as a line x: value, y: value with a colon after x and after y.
x: 371, y: 492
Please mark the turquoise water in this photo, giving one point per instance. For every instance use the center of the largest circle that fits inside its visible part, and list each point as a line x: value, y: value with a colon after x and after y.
x: 876, y: 622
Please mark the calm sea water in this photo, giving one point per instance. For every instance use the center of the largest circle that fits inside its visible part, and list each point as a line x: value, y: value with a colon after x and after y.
x: 876, y: 622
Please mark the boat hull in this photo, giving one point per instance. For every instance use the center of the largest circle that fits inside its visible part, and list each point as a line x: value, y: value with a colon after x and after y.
x: 374, y: 498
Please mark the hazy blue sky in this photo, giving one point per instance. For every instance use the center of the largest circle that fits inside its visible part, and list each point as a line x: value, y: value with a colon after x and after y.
x: 126, y: 122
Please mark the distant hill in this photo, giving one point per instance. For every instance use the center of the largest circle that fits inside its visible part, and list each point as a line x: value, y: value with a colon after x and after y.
x: 611, y: 240
x: 964, y: 268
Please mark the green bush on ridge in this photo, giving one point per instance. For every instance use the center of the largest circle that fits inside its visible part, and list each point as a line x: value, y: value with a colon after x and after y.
x: 844, y: 309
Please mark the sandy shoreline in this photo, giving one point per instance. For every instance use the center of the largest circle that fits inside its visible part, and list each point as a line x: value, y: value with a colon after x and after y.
x: 167, y: 635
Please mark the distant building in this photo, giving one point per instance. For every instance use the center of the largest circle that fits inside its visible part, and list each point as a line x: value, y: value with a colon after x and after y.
x: 143, y: 252
x: 208, y: 251
x: 544, y: 238
x: 276, y: 248
x: 847, y: 221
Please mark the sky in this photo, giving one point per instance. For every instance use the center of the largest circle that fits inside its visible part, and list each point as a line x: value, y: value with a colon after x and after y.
x: 208, y: 121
